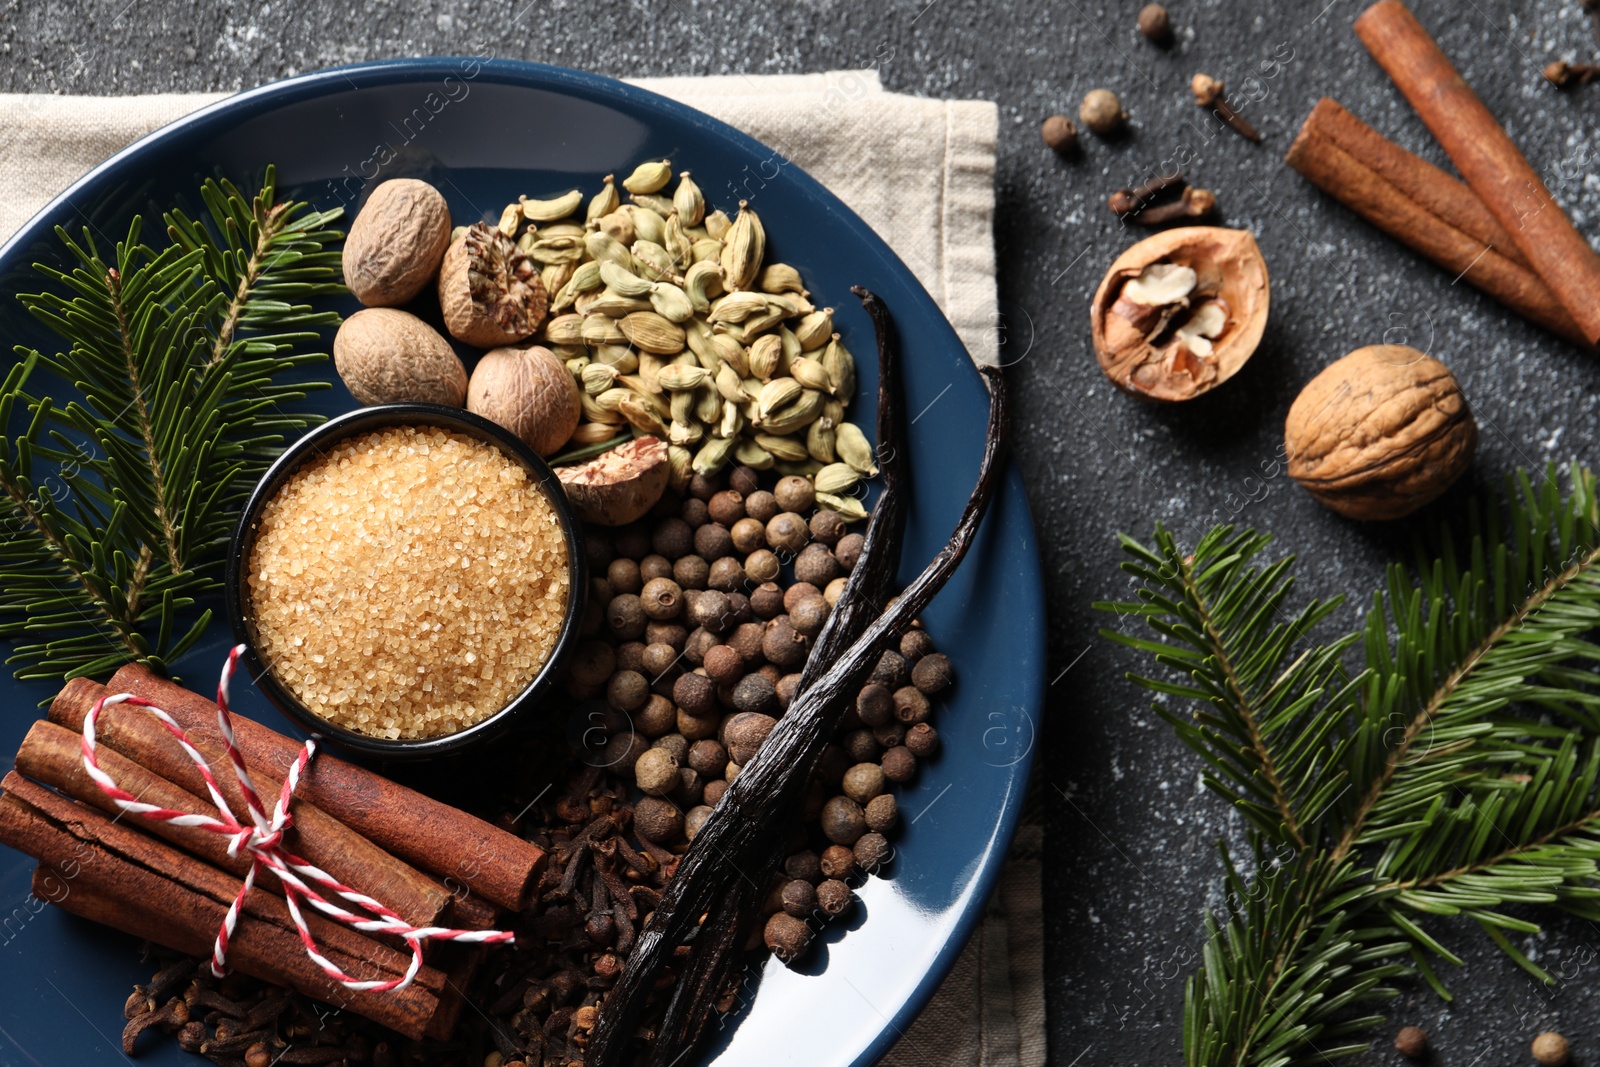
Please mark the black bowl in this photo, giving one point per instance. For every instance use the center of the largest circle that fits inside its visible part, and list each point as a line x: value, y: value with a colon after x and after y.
x: 315, y: 444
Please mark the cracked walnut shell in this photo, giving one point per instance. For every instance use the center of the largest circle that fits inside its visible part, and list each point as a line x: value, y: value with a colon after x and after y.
x: 1180, y: 312
x: 1380, y: 433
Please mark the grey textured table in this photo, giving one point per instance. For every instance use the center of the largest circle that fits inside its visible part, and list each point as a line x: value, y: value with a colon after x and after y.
x: 1130, y: 861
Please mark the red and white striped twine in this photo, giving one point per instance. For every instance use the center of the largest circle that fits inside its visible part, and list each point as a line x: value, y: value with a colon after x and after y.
x: 263, y: 840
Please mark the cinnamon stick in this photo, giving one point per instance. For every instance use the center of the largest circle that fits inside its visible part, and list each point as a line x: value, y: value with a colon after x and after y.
x: 1423, y: 208
x: 497, y: 866
x: 54, y: 756
x: 1487, y: 158
x: 112, y: 874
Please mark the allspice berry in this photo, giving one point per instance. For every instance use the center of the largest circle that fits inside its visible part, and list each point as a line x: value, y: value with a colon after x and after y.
x: 656, y: 772
x: 1155, y: 25
x: 1060, y: 134
x: 1550, y: 1049
x: 1102, y: 112
x: 786, y: 936
x: 834, y: 897
x: 1412, y: 1042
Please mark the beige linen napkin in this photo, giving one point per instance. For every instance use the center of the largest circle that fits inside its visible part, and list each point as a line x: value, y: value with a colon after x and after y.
x: 921, y: 173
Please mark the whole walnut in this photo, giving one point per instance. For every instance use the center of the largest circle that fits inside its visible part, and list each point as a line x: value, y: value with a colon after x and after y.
x: 1380, y: 433
x: 396, y: 243
x: 389, y: 356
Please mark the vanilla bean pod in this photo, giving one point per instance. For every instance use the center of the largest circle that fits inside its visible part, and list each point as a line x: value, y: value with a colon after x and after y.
x: 741, y: 829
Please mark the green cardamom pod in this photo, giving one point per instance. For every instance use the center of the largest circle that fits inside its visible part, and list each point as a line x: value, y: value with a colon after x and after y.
x: 796, y: 415
x: 641, y: 414
x: 676, y: 244
x: 556, y: 275
x: 761, y: 321
x: 781, y: 278
x: 784, y: 448
x: 601, y: 330
x: 753, y: 456
x: 708, y: 404
x: 814, y: 329
x: 837, y: 478
x: 648, y: 177
x: 525, y: 242
x: 803, y: 468
x: 809, y: 373
x: 854, y: 449
x: 713, y: 456
x: 660, y: 205
x: 597, y: 378
x: 618, y: 226
x: 547, y: 250
x: 604, y: 202
x: 730, y: 386
x: 849, y: 508
x: 671, y: 303
x: 622, y: 357
x: 511, y: 220
x: 568, y: 352
x: 703, y: 282
x: 680, y: 461
x: 777, y: 394
x: 611, y: 399
x: 576, y: 365
x: 564, y: 330
x: 730, y: 352
x: 595, y: 413
x: 653, y: 262
x: 743, y: 248
x: 717, y: 225
x: 841, y: 368
x: 652, y: 333
x: 706, y: 251
x: 689, y: 202
x: 613, y: 304
x: 820, y: 440
x: 766, y: 356
x: 623, y: 282
x: 650, y: 368
x: 676, y: 378
x: 550, y: 210
x: 587, y: 277
x: 603, y: 248
x: 647, y: 225
x: 791, y: 344
x: 732, y: 421
x: 736, y: 307
x: 685, y: 433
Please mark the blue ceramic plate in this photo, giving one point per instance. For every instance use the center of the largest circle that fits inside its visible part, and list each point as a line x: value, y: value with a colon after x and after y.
x: 484, y: 132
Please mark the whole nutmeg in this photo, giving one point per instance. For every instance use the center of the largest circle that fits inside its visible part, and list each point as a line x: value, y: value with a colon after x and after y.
x: 1380, y: 433
x: 396, y: 243
x: 1181, y: 312
x: 489, y: 290
x: 387, y: 356
x: 530, y: 393
x: 1102, y: 112
x: 1059, y: 134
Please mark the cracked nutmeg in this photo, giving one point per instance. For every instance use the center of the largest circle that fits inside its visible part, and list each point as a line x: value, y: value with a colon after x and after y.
x: 1179, y: 313
x: 489, y: 290
x: 1380, y: 433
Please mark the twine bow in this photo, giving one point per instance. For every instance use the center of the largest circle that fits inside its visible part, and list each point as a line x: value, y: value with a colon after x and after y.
x: 263, y: 839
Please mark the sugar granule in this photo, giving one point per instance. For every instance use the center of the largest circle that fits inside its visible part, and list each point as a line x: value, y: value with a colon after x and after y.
x: 409, y: 582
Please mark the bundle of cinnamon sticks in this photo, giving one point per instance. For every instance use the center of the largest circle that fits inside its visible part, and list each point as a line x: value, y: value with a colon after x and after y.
x: 428, y: 862
x: 1499, y: 230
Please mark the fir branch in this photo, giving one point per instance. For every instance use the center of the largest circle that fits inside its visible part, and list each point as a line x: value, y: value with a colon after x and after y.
x: 118, y: 503
x: 1457, y: 774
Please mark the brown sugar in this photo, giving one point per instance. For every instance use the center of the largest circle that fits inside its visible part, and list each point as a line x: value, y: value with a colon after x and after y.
x: 409, y: 582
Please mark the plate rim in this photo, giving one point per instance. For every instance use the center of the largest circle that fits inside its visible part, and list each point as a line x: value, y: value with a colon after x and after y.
x: 547, y: 77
